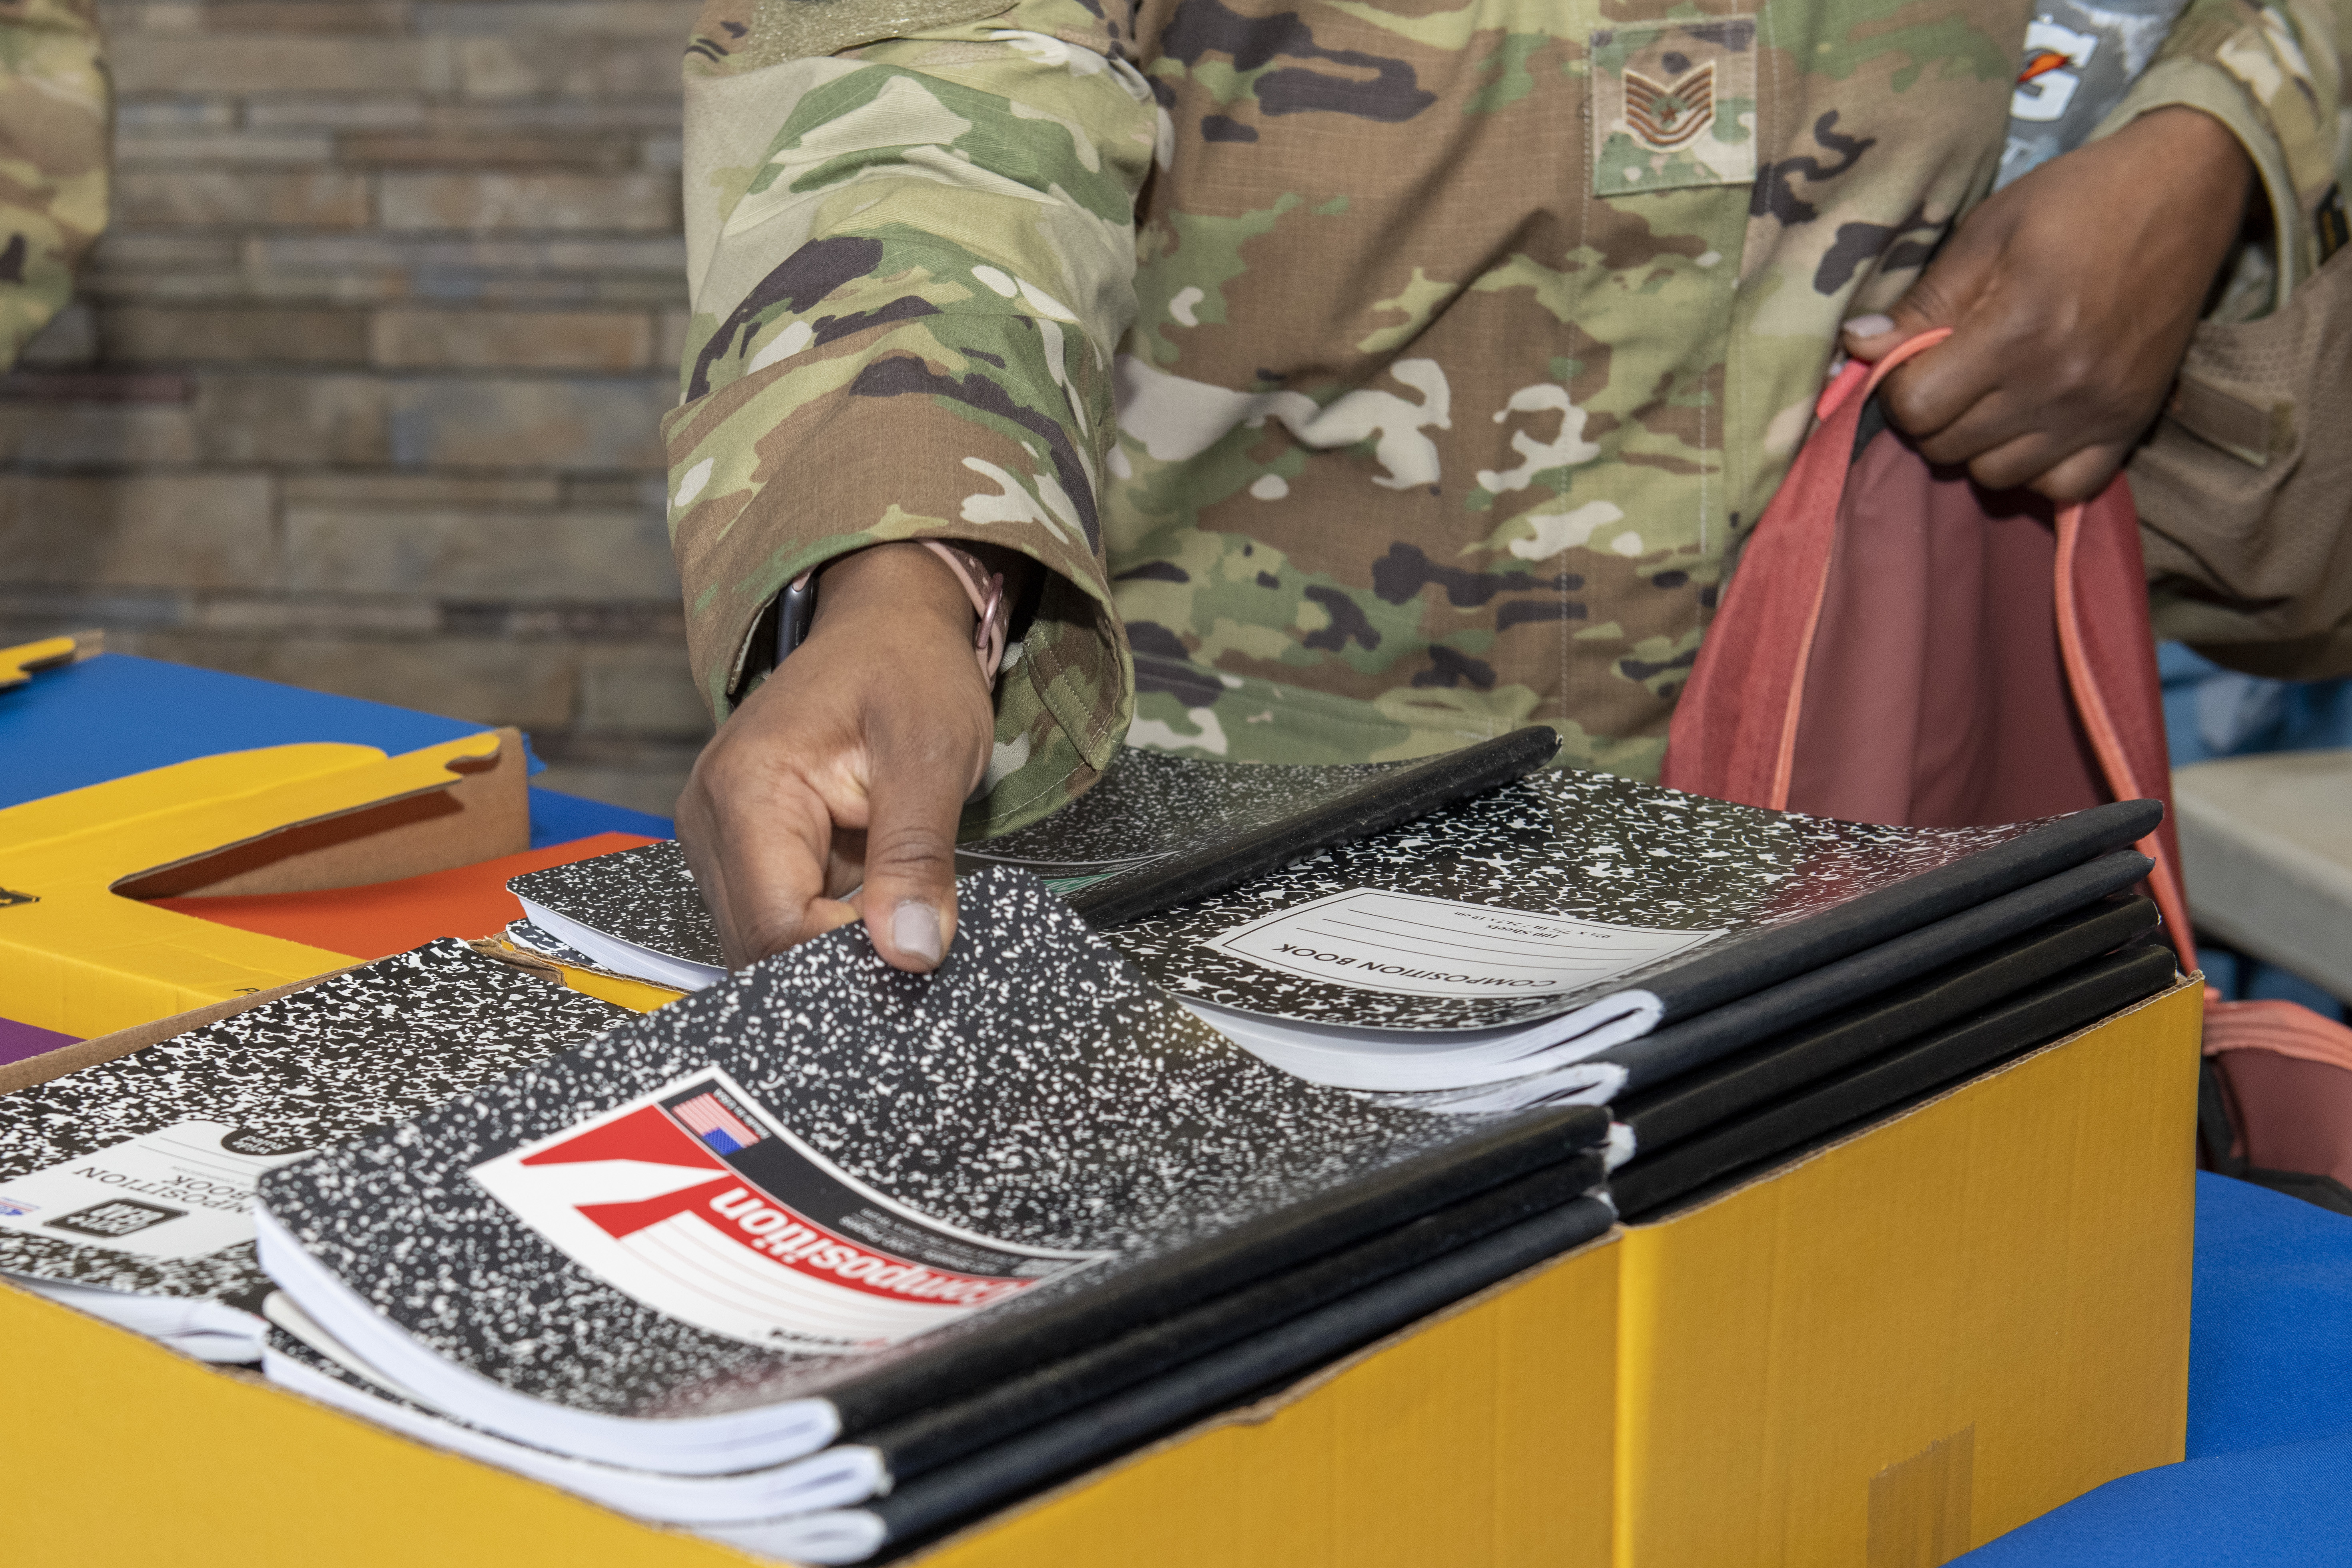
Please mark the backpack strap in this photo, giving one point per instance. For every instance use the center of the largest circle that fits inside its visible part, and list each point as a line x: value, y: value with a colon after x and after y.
x: 1734, y: 732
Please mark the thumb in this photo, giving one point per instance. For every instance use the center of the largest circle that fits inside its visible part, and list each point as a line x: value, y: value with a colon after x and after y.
x: 909, y: 899
x: 1929, y: 303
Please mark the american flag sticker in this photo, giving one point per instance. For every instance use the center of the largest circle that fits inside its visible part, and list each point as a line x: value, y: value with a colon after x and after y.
x: 720, y: 1128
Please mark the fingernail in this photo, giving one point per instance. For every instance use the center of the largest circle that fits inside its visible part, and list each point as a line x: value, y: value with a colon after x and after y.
x: 915, y: 930
x: 1870, y: 326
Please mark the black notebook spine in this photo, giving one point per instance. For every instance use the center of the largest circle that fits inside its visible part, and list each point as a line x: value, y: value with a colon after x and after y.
x: 1815, y: 993
x: 1883, y: 1085
x: 1006, y: 1344
x: 1720, y: 974
x: 946, y: 1433
x: 1258, y: 1364
x: 1697, y: 1101
x: 1375, y: 806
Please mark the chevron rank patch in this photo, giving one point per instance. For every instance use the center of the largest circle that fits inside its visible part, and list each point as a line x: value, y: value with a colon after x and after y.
x: 1673, y: 105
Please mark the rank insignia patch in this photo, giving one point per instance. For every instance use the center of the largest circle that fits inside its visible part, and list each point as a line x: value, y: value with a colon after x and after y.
x: 1673, y: 105
x: 1664, y: 117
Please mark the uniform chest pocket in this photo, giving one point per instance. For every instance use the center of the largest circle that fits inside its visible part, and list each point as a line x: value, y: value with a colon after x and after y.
x: 1673, y: 105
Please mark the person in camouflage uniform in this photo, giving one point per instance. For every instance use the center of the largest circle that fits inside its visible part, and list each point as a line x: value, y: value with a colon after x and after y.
x: 1354, y: 378
x: 55, y: 118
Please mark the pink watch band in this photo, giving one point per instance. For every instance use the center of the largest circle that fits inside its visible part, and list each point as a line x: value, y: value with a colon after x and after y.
x: 985, y: 589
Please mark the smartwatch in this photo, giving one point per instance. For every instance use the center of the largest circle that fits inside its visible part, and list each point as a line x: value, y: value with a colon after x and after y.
x: 795, y: 608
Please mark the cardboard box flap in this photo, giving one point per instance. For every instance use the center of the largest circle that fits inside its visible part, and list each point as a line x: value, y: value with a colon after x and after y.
x: 79, y: 957
x: 21, y: 663
x: 480, y: 814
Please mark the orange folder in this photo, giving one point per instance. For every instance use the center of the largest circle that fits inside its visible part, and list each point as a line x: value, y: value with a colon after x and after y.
x: 383, y: 918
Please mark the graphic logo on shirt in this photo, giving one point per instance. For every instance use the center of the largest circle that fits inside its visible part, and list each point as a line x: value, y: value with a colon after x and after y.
x: 2055, y: 57
x: 1664, y: 116
x: 697, y: 1201
x: 117, y: 1216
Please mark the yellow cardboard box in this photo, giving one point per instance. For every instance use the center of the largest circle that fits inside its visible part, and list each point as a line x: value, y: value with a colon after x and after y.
x: 81, y: 953
x: 1481, y: 1437
x: 1879, y: 1354
x: 1928, y: 1335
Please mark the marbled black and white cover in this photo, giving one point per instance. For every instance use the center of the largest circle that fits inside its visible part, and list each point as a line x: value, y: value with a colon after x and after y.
x: 1150, y: 804
x: 1147, y: 805
x: 134, y: 1154
x: 1033, y: 1092
x: 1590, y: 858
x: 645, y: 896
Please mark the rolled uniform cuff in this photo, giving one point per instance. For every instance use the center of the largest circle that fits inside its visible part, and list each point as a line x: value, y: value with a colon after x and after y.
x: 1065, y: 696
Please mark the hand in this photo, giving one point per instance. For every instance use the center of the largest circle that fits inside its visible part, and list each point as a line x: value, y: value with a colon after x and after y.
x: 2072, y: 295
x: 850, y: 764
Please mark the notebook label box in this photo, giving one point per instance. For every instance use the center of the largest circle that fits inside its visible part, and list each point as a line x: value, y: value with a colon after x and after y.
x: 695, y: 1200
x: 182, y: 1192
x: 1416, y: 946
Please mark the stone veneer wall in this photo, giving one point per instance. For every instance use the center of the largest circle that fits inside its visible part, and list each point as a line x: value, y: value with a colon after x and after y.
x: 361, y: 392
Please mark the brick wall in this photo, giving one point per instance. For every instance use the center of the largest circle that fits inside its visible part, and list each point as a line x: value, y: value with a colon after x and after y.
x: 361, y: 390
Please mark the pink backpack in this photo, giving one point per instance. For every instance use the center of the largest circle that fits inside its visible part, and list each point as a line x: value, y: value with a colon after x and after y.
x: 1900, y: 645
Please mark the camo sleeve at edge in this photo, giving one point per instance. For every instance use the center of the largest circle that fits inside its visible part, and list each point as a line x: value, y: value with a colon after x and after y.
x: 909, y: 262
x: 2272, y: 75
x: 53, y: 138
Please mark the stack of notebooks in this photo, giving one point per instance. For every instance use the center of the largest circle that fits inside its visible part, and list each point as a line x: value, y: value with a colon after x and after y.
x: 825, y: 1260
x: 1563, y: 938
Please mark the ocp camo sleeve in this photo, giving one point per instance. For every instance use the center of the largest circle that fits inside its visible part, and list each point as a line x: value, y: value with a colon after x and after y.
x: 910, y: 246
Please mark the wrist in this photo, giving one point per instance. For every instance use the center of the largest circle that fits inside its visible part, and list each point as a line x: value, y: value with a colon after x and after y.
x: 2189, y: 148
x: 900, y: 583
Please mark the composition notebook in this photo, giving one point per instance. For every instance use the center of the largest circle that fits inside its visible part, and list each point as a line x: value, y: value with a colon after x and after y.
x: 126, y: 1188
x: 639, y: 915
x: 1150, y: 805
x: 823, y: 1193
x: 1565, y: 913
x: 1195, y: 1359
x: 1535, y: 925
x: 1773, y: 1063
x: 1979, y: 938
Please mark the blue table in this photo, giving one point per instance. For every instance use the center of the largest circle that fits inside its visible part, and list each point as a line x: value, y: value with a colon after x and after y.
x: 115, y: 715
x: 2268, y: 1479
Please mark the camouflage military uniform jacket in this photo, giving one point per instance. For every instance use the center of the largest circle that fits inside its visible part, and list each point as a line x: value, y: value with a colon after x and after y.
x: 1371, y: 374
x: 55, y: 108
